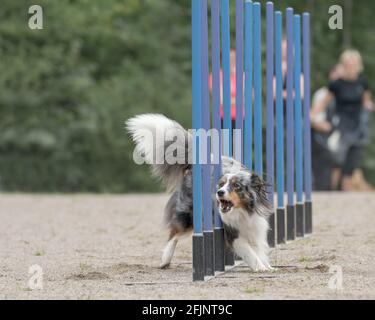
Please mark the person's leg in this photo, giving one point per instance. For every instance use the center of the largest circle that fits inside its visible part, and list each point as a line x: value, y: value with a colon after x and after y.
x: 352, y: 162
x: 359, y: 181
x: 335, y: 179
x: 321, y: 166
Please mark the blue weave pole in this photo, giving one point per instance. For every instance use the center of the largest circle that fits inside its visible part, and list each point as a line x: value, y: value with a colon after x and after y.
x: 206, y: 166
x: 219, y: 264
x: 307, y: 123
x: 227, y: 145
x: 298, y: 108
x: 225, y: 39
x: 280, y: 212
x: 198, y: 249
x: 216, y: 122
x: 298, y: 133
x: 239, y: 79
x: 270, y: 116
x: 257, y: 90
x: 248, y: 121
x: 291, y: 219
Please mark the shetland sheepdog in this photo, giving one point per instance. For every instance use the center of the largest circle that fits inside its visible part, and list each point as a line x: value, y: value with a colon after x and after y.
x: 240, y: 195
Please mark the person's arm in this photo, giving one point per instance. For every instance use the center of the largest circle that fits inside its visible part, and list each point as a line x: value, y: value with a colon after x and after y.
x: 285, y: 92
x: 318, y: 112
x: 368, y: 103
x: 322, y: 104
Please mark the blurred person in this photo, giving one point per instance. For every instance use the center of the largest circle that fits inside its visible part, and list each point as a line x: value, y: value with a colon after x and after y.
x: 321, y: 124
x: 359, y: 182
x: 284, y: 68
x: 232, y: 89
x: 353, y: 102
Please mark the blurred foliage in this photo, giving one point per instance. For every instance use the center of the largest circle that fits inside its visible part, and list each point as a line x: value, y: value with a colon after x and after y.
x: 66, y: 90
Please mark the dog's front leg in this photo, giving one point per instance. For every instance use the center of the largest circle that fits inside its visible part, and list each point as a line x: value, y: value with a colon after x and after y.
x: 262, y: 252
x: 168, y: 252
x: 243, y: 249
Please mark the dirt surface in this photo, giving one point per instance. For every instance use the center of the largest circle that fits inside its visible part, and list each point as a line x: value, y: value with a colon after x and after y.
x: 109, y: 247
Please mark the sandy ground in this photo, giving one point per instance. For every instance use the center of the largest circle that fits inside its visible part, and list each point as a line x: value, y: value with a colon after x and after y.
x: 108, y: 247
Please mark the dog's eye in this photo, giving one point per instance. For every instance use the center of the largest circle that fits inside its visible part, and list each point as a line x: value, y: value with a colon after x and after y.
x: 221, y: 184
x: 236, y: 186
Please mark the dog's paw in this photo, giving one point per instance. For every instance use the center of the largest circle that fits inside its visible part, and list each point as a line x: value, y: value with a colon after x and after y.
x: 272, y: 269
x: 260, y: 268
x: 164, y: 265
x: 264, y: 268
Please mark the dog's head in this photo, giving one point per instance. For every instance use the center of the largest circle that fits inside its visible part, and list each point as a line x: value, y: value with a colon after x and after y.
x: 242, y: 190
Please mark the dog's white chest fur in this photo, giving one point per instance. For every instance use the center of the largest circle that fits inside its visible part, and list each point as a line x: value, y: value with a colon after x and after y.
x: 250, y: 227
x: 251, y: 244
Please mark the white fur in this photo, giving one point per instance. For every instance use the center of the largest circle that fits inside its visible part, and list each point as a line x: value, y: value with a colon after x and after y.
x: 225, y: 188
x: 168, y: 252
x: 150, y: 132
x: 169, y: 249
x: 251, y: 245
x: 152, y: 123
x: 243, y: 249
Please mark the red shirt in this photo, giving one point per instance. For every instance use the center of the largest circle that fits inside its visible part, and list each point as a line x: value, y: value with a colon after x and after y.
x: 232, y: 95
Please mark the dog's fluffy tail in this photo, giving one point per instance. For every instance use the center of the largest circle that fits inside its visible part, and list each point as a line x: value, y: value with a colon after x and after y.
x: 158, y: 141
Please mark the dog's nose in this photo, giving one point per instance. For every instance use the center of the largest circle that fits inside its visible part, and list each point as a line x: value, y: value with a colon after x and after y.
x: 220, y: 193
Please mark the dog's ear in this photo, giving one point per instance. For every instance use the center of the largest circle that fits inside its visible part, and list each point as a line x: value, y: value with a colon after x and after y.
x: 259, y: 186
x: 255, y: 182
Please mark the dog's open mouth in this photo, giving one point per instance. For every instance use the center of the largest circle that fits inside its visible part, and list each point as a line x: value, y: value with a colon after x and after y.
x: 225, y: 205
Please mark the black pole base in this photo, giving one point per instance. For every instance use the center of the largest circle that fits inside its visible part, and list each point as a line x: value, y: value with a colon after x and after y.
x: 219, y: 249
x: 280, y: 219
x: 308, y: 217
x: 198, y: 257
x: 300, y: 219
x: 209, y: 253
x: 271, y: 232
x: 229, y: 257
x: 290, y: 222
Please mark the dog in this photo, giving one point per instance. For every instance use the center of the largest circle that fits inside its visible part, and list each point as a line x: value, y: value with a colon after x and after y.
x: 241, y: 196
